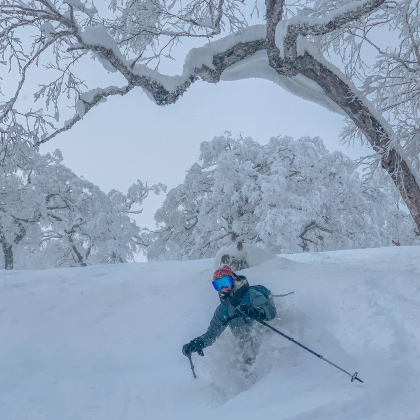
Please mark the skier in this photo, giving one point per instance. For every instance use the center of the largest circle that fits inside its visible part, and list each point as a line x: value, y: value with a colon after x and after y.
x: 240, y: 305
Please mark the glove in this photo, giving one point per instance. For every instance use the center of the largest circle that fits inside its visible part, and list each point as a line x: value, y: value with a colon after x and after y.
x: 195, y: 345
x: 254, y: 313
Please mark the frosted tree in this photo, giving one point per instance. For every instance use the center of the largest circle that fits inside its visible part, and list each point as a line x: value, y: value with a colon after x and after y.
x: 20, y: 204
x: 291, y: 45
x: 87, y: 226
x: 19, y: 215
x: 286, y: 196
x: 50, y: 217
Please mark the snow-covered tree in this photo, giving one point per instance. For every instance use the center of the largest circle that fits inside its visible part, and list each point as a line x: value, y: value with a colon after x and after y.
x: 50, y: 217
x: 374, y: 43
x: 286, y: 196
x: 19, y: 215
x: 20, y: 204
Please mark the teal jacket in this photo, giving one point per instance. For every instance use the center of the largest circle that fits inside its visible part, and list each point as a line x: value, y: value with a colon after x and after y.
x: 240, y: 326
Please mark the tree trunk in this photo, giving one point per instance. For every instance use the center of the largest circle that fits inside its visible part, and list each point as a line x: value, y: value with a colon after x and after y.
x: 8, y: 253
x: 8, y: 247
x: 78, y: 255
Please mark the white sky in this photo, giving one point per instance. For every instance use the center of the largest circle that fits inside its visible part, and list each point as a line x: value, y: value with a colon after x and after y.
x: 131, y: 138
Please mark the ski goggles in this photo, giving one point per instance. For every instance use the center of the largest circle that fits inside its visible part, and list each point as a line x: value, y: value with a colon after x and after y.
x: 226, y: 281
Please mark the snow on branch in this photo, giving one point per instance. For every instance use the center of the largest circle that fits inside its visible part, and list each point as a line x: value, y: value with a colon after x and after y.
x: 126, y: 42
x: 207, y: 63
x: 86, y: 102
x: 288, y: 31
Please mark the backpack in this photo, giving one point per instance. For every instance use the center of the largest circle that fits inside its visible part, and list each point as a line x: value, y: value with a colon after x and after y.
x: 262, y: 289
x: 259, y: 288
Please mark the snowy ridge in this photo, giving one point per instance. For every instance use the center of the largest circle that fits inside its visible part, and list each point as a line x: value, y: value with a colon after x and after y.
x: 105, y: 342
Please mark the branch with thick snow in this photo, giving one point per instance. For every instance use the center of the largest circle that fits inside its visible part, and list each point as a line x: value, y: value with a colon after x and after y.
x: 289, y: 31
x: 207, y: 63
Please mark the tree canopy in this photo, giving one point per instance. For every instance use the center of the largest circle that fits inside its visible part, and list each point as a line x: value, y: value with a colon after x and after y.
x: 50, y: 217
x: 287, y: 196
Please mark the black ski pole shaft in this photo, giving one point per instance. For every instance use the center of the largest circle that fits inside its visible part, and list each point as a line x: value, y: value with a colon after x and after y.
x: 192, y: 366
x: 353, y: 377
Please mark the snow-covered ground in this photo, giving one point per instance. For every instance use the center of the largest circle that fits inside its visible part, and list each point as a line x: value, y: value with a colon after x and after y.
x: 105, y: 342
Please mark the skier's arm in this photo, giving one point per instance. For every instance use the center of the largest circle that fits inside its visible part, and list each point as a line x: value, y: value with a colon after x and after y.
x: 217, y: 325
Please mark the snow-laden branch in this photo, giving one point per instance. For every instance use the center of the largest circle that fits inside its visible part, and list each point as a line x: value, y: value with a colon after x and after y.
x: 86, y: 102
x: 206, y: 63
x: 288, y: 31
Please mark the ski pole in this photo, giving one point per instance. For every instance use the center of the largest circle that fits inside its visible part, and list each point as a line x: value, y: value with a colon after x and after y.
x: 192, y: 366
x: 353, y: 377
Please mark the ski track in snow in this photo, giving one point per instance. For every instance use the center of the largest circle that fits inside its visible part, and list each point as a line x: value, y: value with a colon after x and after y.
x: 105, y: 342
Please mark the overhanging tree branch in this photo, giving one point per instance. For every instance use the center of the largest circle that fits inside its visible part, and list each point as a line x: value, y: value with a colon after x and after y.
x: 135, y: 33
x: 156, y: 89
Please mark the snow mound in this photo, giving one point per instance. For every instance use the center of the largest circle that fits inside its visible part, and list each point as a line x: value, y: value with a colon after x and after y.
x: 248, y: 256
x: 105, y: 342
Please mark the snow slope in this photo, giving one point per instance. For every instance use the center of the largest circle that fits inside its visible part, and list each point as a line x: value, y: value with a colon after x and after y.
x: 105, y: 342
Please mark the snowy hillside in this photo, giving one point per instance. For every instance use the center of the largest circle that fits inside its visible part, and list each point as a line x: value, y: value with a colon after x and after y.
x: 104, y: 343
